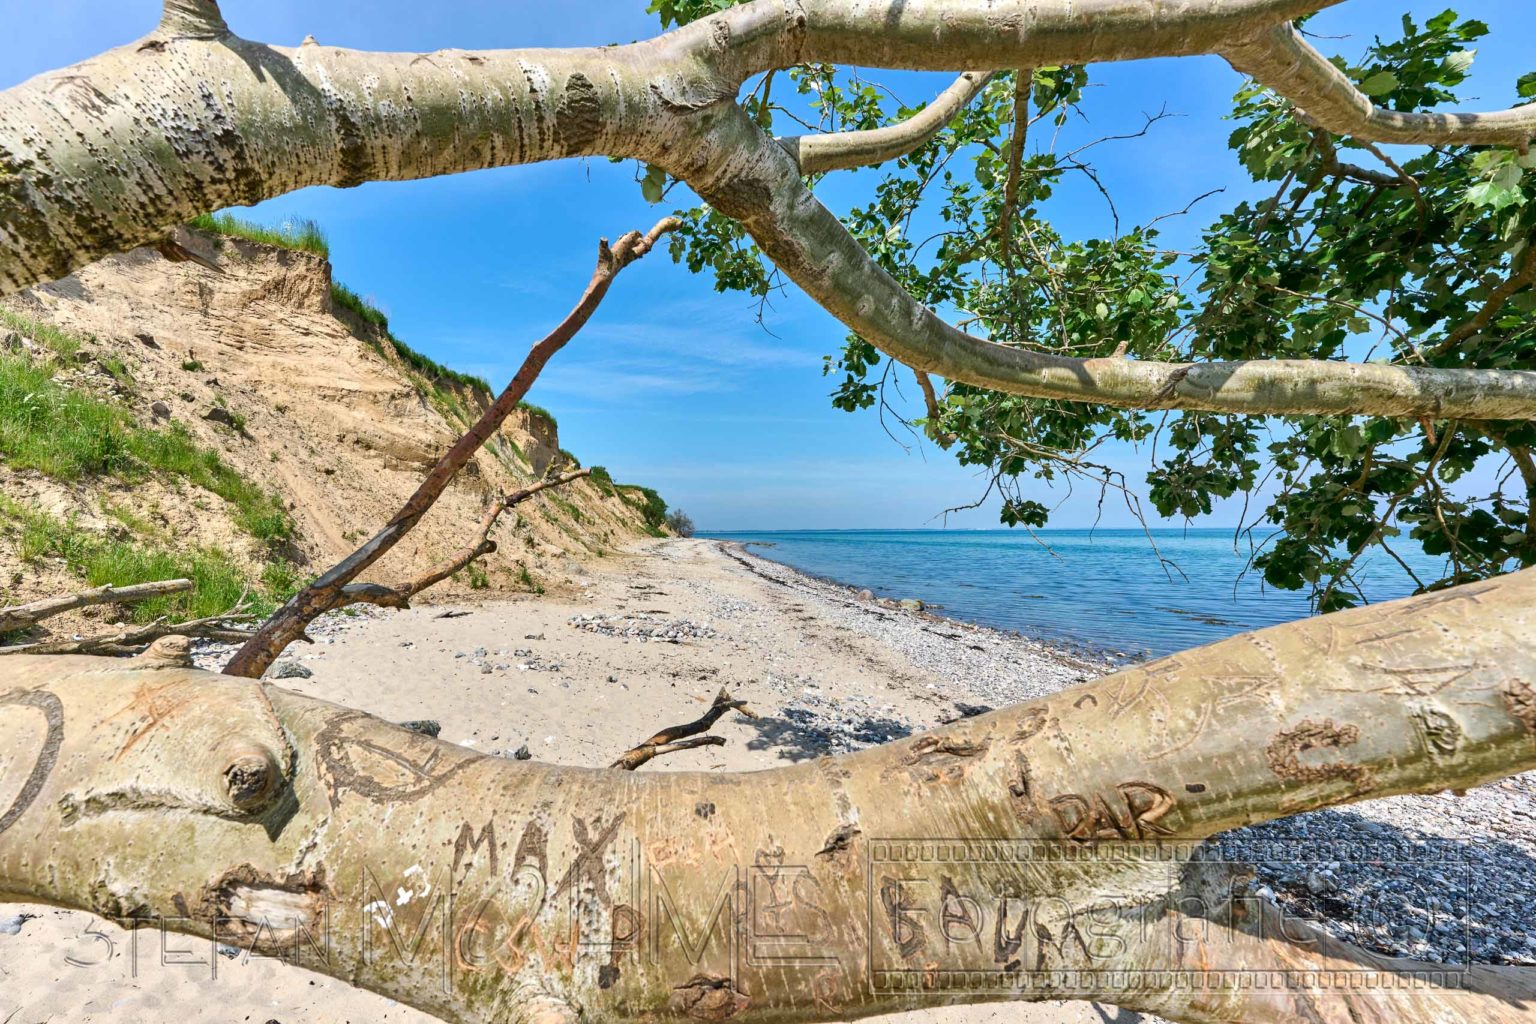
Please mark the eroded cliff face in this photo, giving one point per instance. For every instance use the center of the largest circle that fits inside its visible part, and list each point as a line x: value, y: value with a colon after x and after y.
x: 304, y: 399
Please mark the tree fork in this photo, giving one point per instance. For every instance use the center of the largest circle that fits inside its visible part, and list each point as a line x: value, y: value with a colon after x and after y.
x: 532, y: 889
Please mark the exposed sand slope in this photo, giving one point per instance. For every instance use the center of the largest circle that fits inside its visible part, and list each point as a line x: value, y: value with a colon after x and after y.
x: 335, y: 422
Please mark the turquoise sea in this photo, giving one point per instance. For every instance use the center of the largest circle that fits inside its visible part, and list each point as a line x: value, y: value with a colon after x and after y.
x: 1102, y: 589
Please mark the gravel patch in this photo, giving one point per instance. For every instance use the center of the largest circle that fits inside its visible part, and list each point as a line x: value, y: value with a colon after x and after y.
x: 644, y: 627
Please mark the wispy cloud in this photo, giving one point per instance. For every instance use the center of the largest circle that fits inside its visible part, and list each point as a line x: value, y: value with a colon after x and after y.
x: 697, y: 347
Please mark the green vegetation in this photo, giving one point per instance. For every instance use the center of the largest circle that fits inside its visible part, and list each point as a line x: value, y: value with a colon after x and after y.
x: 570, y: 510
x: 191, y: 365
x: 526, y: 579
x: 603, y: 481
x: 1330, y: 250
x: 650, y: 505
x: 680, y: 522
x: 570, y: 458
x: 540, y: 411
x: 100, y: 559
x: 478, y: 580
x: 62, y: 343
x: 68, y: 435
x: 374, y: 317
x: 303, y: 235
x: 358, y: 306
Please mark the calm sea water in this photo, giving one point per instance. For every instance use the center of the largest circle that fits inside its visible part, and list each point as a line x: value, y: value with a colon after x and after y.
x: 1103, y: 589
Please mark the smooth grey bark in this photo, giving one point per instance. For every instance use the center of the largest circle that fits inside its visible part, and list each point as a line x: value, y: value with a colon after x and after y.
x: 838, y: 151
x: 483, y: 889
x: 114, y: 152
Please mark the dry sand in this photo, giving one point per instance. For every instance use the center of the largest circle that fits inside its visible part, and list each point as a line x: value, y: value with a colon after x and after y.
x: 826, y: 671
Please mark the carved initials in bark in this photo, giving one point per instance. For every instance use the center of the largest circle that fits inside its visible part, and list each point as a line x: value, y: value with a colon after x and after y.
x: 1134, y: 813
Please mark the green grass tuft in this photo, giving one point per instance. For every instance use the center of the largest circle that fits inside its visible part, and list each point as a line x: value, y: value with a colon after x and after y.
x: 649, y: 504
x: 433, y: 371
x: 539, y: 410
x: 69, y: 434
x: 63, y: 343
x: 303, y: 235
x: 99, y: 560
x: 603, y: 481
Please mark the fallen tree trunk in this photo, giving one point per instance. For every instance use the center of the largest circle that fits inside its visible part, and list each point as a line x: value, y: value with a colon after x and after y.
x: 1047, y: 850
x: 24, y: 616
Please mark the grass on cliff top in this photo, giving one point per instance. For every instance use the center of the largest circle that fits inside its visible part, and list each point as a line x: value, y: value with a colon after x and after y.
x: 428, y: 367
x: 303, y: 235
x: 69, y: 435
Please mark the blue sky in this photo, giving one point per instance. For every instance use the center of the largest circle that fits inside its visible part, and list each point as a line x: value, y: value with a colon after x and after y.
x: 673, y: 384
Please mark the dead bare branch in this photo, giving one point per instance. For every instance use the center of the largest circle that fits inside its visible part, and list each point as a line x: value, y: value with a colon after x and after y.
x: 400, y: 596
x: 286, y: 625
x: 22, y: 616
x: 678, y: 736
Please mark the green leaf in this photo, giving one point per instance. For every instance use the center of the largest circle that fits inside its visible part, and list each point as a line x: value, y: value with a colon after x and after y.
x: 1458, y: 62
x: 653, y: 184
x: 1379, y: 84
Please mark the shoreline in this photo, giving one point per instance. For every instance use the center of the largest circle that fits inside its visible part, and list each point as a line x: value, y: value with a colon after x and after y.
x: 1089, y: 654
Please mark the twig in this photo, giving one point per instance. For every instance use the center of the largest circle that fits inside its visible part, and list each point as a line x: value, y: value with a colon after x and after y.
x: 676, y: 738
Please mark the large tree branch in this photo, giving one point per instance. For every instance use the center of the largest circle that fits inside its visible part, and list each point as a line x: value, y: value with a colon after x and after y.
x: 1285, y: 62
x: 193, y: 118
x: 288, y: 623
x: 837, y: 151
x: 953, y: 866
x: 751, y: 179
x: 140, y: 138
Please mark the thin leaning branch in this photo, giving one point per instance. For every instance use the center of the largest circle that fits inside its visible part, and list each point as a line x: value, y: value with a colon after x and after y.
x: 289, y: 622
x: 24, y: 616
x: 399, y: 596
x: 840, y: 151
x: 1521, y: 275
x: 1282, y: 60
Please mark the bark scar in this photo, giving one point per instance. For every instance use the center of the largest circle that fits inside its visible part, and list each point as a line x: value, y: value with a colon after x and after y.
x: 1520, y: 699
x: 709, y: 997
x: 1284, y: 753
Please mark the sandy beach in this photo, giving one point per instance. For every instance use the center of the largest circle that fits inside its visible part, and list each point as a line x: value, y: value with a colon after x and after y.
x: 630, y: 644
x: 637, y: 641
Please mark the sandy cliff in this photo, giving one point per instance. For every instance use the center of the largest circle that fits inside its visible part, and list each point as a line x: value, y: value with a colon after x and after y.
x: 303, y: 398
